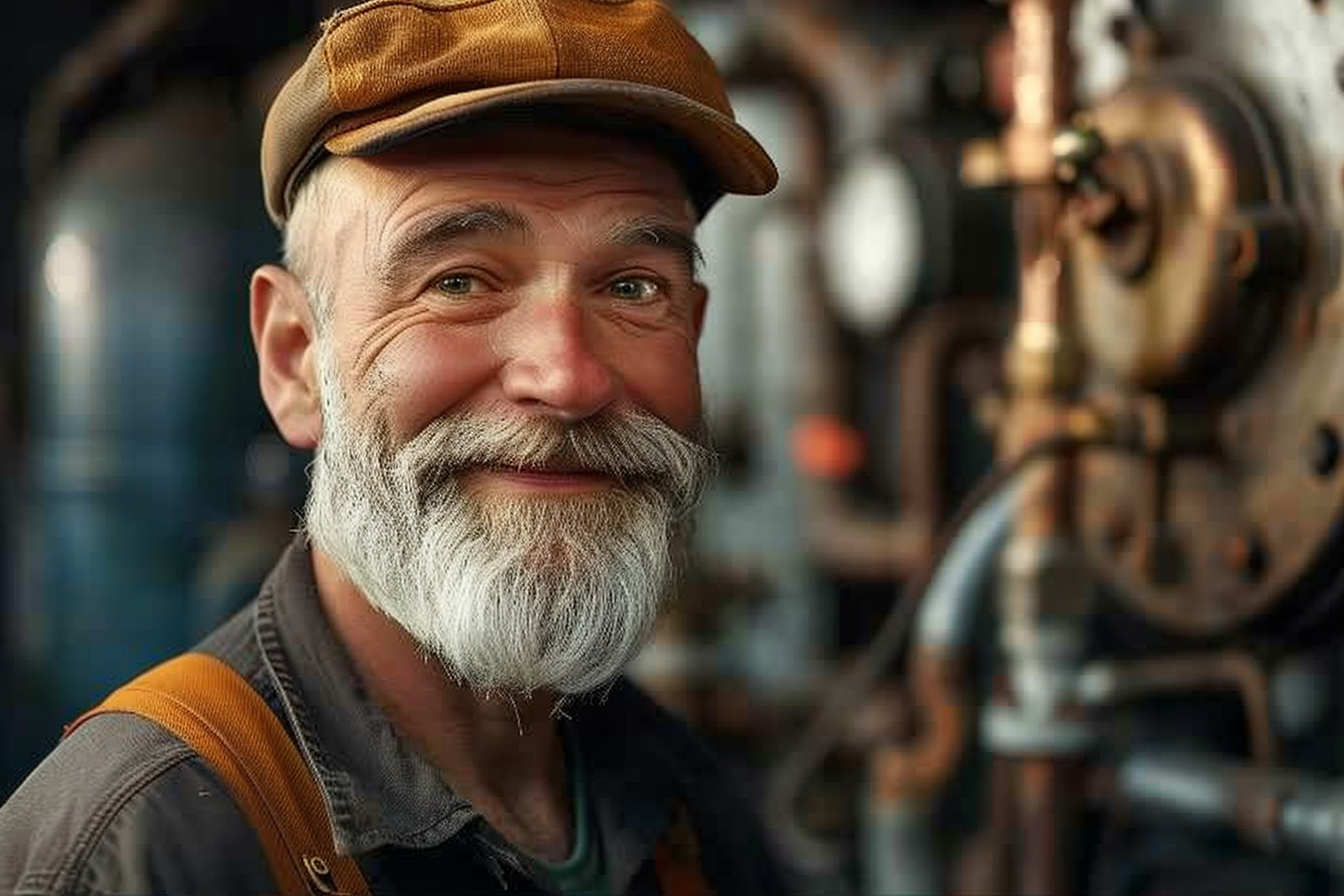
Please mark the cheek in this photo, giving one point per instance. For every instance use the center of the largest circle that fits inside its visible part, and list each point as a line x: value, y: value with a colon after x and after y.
x: 664, y: 380
x: 427, y: 373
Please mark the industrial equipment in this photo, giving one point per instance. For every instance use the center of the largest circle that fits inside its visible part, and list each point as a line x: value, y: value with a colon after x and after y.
x: 146, y: 438
x: 1161, y: 526
x: 1071, y: 266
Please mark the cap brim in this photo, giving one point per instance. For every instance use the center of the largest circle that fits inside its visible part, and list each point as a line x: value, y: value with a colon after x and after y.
x: 728, y: 152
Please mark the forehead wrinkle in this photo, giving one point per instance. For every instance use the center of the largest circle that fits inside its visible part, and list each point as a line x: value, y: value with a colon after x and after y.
x: 428, y: 235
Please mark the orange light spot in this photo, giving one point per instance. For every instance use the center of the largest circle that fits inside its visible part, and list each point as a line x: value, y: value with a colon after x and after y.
x: 827, y: 447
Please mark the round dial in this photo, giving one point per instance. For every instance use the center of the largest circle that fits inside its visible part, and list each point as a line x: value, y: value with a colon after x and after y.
x: 872, y: 242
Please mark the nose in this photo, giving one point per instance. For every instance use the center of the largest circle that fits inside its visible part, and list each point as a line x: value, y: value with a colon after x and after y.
x: 554, y: 367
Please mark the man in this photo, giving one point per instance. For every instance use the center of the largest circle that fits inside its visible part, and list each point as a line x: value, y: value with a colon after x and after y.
x: 486, y: 327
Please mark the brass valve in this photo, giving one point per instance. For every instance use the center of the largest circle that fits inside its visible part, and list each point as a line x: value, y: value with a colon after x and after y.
x: 1077, y: 149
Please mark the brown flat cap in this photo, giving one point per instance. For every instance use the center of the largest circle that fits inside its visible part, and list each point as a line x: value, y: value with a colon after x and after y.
x: 386, y: 71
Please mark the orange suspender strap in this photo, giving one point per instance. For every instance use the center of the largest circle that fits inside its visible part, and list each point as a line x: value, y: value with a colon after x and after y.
x: 676, y: 861
x: 214, y: 711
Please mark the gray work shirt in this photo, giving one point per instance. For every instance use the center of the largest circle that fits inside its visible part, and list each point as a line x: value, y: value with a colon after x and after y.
x: 122, y: 806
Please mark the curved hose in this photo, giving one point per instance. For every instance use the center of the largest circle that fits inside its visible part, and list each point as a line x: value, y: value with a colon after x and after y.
x: 946, y: 568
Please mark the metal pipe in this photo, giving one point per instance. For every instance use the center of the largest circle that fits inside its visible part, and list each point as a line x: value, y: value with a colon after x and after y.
x: 1045, y: 601
x: 899, y: 853
x: 844, y: 536
x: 1276, y: 810
x: 947, y: 618
x: 898, y: 841
x: 943, y: 627
x: 1106, y: 683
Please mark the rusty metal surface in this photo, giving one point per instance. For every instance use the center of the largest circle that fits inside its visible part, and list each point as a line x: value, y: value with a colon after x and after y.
x: 844, y: 537
x: 1046, y: 604
x: 1190, y: 163
x: 1050, y: 806
x: 1229, y: 532
x: 923, y: 767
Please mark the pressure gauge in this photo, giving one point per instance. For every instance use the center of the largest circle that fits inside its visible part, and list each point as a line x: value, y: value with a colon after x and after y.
x: 872, y: 242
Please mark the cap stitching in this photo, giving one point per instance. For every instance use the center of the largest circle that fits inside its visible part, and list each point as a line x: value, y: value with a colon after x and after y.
x: 550, y: 29
x: 752, y: 176
x: 326, y: 61
x: 338, y: 19
x: 349, y: 12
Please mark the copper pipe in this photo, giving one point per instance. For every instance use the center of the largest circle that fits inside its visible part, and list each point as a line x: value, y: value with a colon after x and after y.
x: 865, y: 545
x: 1042, y: 86
x: 1041, y: 370
x: 1106, y: 683
x: 1050, y: 797
x: 923, y: 766
x: 985, y: 865
x: 1042, y: 91
x: 1042, y: 357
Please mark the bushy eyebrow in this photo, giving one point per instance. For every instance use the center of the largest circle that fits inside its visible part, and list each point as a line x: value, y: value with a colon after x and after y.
x: 659, y: 234
x: 425, y: 241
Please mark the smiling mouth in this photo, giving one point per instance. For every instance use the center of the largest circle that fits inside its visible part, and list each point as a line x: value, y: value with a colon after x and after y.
x: 544, y: 478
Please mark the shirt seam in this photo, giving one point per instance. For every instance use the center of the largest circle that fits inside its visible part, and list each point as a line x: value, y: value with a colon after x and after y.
x: 274, y: 663
x: 66, y: 876
x: 267, y: 640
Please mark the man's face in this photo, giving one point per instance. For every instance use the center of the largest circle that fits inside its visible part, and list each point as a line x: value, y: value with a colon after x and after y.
x: 523, y: 270
x: 510, y: 398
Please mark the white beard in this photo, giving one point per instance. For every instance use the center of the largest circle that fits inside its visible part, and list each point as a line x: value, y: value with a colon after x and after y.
x: 513, y: 593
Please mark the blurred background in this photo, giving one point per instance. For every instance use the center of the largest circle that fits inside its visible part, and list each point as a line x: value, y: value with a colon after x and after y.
x: 1022, y: 575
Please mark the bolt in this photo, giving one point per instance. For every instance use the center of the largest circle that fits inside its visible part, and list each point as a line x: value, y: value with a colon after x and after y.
x: 1242, y: 250
x: 1266, y: 244
x: 1304, y: 326
x: 1120, y: 29
x: 1116, y: 532
x: 1076, y: 150
x: 1166, y: 560
x: 1323, y: 450
x: 1245, y: 554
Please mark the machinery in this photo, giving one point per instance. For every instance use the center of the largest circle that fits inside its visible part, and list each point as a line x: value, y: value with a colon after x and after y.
x: 1118, y: 671
x: 149, y: 457
x: 1023, y: 575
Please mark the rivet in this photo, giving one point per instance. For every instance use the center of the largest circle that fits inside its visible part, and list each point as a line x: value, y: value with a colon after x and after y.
x: 1117, y: 531
x: 1245, y: 554
x: 1324, y: 449
x: 1167, y: 564
x: 319, y: 872
x: 1120, y: 28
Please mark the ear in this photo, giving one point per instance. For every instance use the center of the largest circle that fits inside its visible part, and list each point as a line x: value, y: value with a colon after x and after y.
x: 283, y: 331
x: 699, y: 302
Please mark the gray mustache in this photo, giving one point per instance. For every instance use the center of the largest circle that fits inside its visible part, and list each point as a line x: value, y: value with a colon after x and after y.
x: 630, y: 446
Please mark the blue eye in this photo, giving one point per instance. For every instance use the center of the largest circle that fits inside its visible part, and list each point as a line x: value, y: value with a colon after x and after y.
x: 456, y: 284
x: 634, y: 289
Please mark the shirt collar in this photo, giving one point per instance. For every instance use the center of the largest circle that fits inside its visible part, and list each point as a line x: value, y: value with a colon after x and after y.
x: 379, y: 792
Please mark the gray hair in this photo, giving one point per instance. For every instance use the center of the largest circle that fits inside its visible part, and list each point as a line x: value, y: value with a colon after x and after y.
x: 303, y: 256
